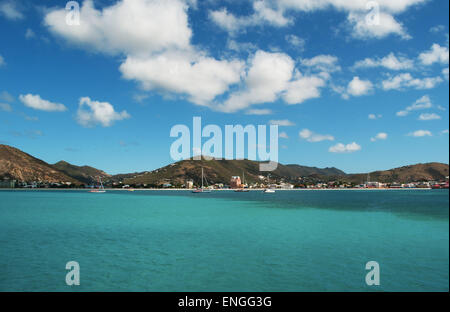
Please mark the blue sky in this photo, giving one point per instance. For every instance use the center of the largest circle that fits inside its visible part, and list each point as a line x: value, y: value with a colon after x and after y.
x: 347, y: 89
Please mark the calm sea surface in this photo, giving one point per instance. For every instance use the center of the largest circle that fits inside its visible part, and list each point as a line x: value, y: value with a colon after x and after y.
x: 224, y: 241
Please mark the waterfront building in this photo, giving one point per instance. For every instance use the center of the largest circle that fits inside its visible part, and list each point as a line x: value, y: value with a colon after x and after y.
x: 235, y: 182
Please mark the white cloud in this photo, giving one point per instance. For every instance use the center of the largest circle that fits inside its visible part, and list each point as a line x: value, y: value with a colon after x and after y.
x: 303, y: 88
x: 36, y: 102
x: 263, y: 14
x: 241, y: 46
x: 282, y: 123
x: 323, y: 62
x: 423, y: 103
x: 374, y: 117
x: 445, y: 72
x: 267, y: 77
x: 444, y: 131
x: 201, y: 78
x: 436, y: 54
x: 29, y: 33
x: 387, y: 25
x: 380, y: 136
x: 358, y: 87
x: 5, y: 107
x: 137, y: 27
x: 227, y: 21
x: 5, y: 96
x: 296, y: 42
x: 420, y: 133
x: 426, y: 117
x: 10, y: 10
x: 437, y: 28
x: 275, y: 13
x: 283, y: 135
x: 2, y: 61
x: 91, y: 113
x: 312, y: 137
x: 390, y: 61
x: 342, y: 148
x: 155, y: 38
x: 405, y: 80
x: 258, y: 112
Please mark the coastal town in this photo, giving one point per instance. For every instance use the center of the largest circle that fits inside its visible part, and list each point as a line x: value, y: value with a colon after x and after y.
x: 235, y: 183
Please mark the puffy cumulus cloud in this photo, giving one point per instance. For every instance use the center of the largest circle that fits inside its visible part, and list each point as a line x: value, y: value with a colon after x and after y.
x: 155, y: 38
x: 282, y: 123
x: 390, y: 61
x: 426, y: 117
x: 274, y: 13
x: 312, y: 137
x: 200, y: 77
x: 358, y: 87
x: 406, y: 80
x: 130, y: 26
x: 436, y: 54
x: 380, y: 136
x: 283, y: 135
x: 385, y: 26
x: 270, y: 77
x: 420, y: 133
x: 345, y: 148
x: 36, y: 102
x: 267, y: 77
x: 422, y: 103
x: 10, y: 10
x: 303, y: 88
x: 91, y: 113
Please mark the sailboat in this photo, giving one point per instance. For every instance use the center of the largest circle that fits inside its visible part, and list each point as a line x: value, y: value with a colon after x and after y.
x: 202, y: 189
x: 100, y: 189
x: 243, y: 189
x: 268, y: 190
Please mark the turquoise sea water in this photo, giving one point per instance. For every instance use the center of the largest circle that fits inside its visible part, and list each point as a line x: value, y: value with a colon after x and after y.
x: 224, y: 241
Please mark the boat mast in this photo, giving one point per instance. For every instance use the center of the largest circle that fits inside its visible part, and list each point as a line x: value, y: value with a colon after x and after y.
x: 202, y: 178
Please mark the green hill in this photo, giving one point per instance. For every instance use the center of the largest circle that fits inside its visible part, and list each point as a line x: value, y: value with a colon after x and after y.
x: 85, y: 174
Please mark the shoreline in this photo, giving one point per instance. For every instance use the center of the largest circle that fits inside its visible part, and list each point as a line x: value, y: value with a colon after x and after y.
x: 223, y: 190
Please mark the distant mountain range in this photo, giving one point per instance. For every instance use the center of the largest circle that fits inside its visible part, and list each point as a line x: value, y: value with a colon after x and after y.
x: 17, y: 165
x: 220, y: 171
x: 84, y: 174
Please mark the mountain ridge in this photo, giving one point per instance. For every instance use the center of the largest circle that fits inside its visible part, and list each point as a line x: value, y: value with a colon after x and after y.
x: 18, y: 165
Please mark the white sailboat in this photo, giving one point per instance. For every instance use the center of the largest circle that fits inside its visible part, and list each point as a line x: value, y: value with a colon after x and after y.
x: 268, y: 190
x: 202, y: 189
x: 100, y: 189
x: 243, y: 189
